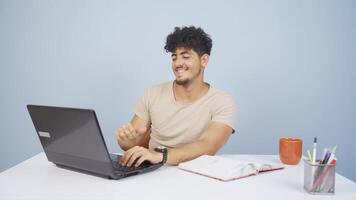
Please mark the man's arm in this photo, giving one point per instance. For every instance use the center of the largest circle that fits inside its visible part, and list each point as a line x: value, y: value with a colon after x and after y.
x: 212, y: 139
x: 131, y: 133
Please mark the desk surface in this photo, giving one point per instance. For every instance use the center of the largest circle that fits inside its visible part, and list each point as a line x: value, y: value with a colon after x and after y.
x: 36, y: 178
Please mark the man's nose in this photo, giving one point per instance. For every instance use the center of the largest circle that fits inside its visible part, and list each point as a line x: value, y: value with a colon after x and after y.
x: 178, y: 63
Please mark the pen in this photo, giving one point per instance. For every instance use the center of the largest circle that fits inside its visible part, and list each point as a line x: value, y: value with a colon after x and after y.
x: 309, y: 157
x: 320, y: 178
x: 323, y: 161
x: 326, y: 158
x: 333, y: 150
x: 324, y: 154
x: 331, y: 159
x: 314, y: 150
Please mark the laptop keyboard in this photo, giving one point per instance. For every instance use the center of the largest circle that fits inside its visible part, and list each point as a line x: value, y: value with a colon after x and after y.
x: 114, y: 160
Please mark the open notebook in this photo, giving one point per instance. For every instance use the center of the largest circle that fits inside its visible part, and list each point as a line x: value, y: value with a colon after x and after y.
x: 227, y: 168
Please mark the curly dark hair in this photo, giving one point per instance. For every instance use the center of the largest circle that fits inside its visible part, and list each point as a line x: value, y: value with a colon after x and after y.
x: 190, y: 38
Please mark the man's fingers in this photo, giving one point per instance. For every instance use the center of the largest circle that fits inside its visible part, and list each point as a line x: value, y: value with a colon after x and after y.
x: 131, y: 155
x: 128, y: 134
x: 123, y: 133
x: 134, y: 157
x: 124, y: 159
x: 119, y: 134
x: 140, y: 161
x: 132, y: 129
x: 127, y: 155
x: 138, y: 155
x: 129, y: 131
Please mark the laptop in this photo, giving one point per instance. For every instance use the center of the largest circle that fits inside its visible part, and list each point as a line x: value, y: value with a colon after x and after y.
x: 72, y: 139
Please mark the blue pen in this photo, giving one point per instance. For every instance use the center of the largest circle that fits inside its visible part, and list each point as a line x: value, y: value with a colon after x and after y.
x: 323, y: 162
x: 327, y: 156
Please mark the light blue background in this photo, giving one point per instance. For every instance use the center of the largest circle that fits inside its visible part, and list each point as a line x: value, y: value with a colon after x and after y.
x: 290, y: 65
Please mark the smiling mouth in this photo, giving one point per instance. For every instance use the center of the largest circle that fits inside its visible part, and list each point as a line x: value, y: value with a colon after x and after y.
x: 180, y: 71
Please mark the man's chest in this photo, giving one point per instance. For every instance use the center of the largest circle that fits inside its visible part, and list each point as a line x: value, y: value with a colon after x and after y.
x: 166, y: 114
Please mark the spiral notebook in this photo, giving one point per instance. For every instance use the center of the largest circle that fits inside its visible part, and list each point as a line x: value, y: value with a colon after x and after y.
x: 227, y: 168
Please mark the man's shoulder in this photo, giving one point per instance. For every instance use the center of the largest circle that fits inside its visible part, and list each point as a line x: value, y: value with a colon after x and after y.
x: 220, y: 99
x: 158, y: 88
x: 220, y: 94
x: 162, y: 85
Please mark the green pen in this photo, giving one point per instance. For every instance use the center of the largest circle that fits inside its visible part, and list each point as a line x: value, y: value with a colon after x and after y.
x: 333, y: 150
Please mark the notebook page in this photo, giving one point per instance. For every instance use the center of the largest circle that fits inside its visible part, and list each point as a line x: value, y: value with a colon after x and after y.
x: 260, y: 163
x: 219, y: 167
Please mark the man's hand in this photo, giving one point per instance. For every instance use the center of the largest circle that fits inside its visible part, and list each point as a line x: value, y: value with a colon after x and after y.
x: 127, y: 132
x: 127, y: 136
x: 140, y: 154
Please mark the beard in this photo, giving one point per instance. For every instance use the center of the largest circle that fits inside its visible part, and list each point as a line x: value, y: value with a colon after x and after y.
x: 183, y: 82
x: 187, y: 81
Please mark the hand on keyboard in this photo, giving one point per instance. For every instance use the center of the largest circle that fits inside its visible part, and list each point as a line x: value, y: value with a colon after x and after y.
x: 137, y: 155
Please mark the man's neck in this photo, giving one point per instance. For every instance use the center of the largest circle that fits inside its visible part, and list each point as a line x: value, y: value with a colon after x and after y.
x: 191, y: 92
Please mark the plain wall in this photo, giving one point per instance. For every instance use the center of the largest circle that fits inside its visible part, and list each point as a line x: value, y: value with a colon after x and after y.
x: 290, y: 65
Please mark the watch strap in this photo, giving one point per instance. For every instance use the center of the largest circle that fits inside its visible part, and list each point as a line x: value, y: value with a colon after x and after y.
x: 164, y: 152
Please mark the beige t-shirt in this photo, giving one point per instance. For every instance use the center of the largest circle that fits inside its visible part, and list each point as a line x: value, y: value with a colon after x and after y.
x: 174, y: 124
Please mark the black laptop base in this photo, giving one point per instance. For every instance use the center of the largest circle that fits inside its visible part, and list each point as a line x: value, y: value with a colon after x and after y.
x: 121, y: 172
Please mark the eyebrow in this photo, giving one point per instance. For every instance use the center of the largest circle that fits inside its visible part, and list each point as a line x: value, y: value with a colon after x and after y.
x: 183, y: 52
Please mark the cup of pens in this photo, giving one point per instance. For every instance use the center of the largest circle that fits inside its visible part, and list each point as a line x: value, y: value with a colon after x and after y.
x: 319, y: 175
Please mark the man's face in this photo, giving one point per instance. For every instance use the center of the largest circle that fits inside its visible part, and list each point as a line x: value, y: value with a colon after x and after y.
x: 186, y: 65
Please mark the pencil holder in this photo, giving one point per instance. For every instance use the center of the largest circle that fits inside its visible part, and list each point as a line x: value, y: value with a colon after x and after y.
x: 319, y: 178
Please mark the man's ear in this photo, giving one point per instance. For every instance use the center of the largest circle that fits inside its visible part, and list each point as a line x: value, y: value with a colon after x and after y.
x: 204, y: 59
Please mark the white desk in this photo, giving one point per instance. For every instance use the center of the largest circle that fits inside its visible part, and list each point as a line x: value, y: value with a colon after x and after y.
x: 36, y: 178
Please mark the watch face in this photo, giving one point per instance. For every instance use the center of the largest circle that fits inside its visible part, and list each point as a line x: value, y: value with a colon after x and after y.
x: 161, y: 147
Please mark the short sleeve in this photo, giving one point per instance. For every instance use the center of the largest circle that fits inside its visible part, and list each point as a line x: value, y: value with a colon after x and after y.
x: 142, y: 107
x: 225, y: 110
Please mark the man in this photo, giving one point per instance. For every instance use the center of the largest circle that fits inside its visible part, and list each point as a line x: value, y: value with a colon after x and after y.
x: 187, y: 116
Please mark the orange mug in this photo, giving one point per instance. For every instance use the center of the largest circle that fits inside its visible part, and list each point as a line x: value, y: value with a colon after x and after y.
x: 290, y: 150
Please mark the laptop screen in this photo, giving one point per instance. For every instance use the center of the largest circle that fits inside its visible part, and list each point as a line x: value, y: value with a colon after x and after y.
x: 72, y: 132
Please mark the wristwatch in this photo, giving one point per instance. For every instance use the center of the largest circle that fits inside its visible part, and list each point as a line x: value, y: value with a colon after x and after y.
x: 164, y: 151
